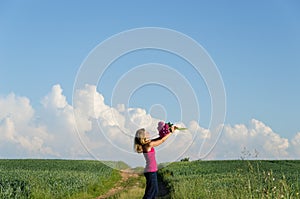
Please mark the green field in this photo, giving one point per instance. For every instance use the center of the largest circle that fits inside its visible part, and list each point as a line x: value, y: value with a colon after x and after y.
x: 55, y: 178
x: 233, y: 179
x: 196, y: 179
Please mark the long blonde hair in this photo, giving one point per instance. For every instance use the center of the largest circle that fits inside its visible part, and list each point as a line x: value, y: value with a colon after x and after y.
x: 140, y: 140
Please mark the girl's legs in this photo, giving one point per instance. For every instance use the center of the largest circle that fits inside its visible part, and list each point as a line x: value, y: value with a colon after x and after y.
x: 151, y: 185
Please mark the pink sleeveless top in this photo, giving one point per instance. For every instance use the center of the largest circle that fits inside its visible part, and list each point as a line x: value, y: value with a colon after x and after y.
x: 151, y: 165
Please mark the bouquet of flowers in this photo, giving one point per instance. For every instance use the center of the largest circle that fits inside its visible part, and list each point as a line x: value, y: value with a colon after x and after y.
x: 165, y: 128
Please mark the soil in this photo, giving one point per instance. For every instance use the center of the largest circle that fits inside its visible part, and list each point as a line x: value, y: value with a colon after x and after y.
x: 126, y: 176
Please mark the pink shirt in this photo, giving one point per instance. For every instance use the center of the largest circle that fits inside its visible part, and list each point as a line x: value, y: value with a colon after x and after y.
x: 151, y: 165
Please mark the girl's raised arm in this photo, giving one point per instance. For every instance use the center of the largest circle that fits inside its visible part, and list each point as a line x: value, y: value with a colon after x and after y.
x: 159, y: 141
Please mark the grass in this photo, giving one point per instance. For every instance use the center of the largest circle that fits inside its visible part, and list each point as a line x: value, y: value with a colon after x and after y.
x: 55, y: 178
x: 197, y: 179
x: 133, y: 193
x: 233, y: 179
x: 133, y: 188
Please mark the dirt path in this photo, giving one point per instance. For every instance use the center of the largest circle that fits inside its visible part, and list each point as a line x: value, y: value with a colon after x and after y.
x: 129, y: 181
x: 120, y: 186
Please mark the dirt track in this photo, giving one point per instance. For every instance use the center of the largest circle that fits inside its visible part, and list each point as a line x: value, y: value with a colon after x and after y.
x: 126, y: 174
x: 125, y: 183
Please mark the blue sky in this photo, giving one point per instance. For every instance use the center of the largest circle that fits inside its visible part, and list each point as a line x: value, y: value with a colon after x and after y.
x: 255, y: 45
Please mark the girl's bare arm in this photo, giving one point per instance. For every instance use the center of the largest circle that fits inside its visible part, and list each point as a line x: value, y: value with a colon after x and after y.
x: 159, y: 141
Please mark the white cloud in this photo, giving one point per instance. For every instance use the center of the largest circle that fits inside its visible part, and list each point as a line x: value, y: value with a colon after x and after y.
x: 196, y: 128
x: 19, y: 133
x: 58, y: 117
x: 256, y: 136
x: 58, y: 129
x: 296, y: 145
x: 55, y: 99
x: 17, y: 108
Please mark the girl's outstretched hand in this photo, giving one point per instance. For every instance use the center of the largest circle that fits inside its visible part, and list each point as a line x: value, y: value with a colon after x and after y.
x: 173, y: 128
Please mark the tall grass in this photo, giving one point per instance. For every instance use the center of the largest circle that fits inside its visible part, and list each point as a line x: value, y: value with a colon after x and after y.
x: 233, y: 179
x: 55, y: 178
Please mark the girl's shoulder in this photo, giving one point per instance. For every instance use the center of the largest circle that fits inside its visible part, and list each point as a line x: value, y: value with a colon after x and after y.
x: 147, y: 148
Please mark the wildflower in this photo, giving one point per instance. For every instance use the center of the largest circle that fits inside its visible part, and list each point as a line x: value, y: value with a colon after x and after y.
x: 165, y: 128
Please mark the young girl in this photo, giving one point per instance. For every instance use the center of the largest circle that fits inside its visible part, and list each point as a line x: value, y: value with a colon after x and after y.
x: 143, y: 144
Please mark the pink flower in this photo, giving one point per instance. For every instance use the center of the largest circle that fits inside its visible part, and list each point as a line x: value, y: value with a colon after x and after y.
x: 163, y: 129
x: 160, y: 125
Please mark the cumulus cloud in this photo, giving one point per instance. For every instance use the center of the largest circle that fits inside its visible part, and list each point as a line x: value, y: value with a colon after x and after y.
x: 89, y: 128
x: 58, y: 118
x: 20, y: 135
x: 295, y: 148
x: 256, y: 137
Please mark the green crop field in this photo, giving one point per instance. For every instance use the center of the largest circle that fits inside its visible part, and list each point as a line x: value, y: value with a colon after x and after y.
x: 55, y: 178
x: 233, y: 179
x: 191, y: 180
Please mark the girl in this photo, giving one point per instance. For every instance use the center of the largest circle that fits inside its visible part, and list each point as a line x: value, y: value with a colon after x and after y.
x: 143, y: 144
